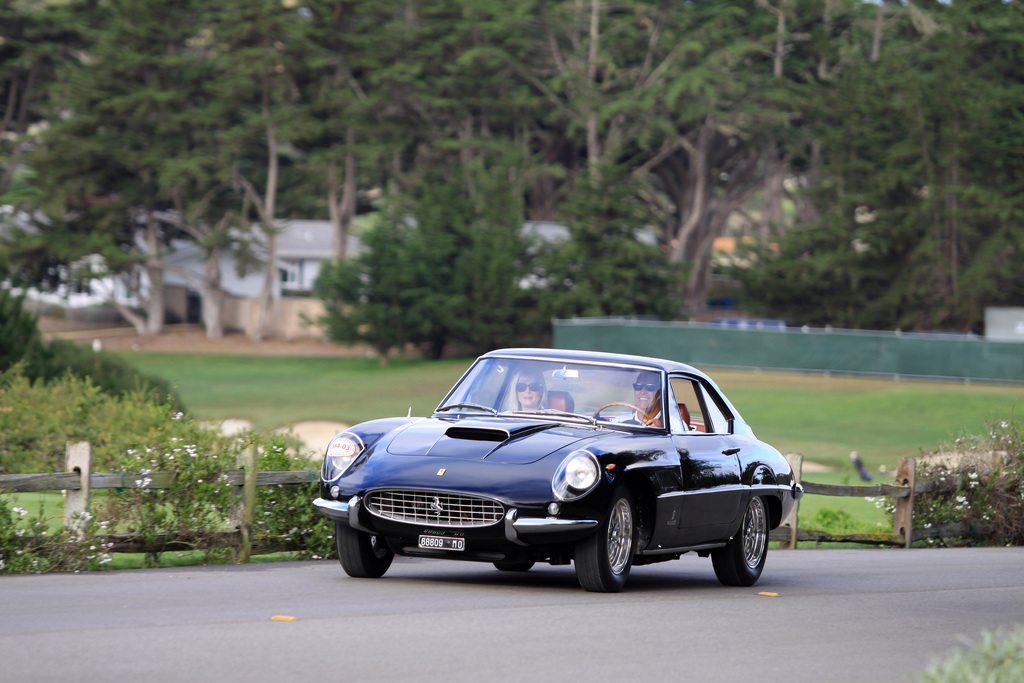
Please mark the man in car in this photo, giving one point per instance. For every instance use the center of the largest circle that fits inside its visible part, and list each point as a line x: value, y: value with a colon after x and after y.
x: 646, y: 397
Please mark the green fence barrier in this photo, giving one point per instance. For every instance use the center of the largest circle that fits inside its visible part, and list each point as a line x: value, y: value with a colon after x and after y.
x: 819, y: 350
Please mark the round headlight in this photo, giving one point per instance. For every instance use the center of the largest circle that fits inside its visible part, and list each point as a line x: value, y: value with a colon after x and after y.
x: 341, y: 451
x: 576, y: 475
x: 581, y: 473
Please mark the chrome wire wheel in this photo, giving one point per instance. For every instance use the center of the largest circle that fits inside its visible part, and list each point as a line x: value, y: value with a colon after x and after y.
x: 755, y: 533
x: 620, y: 536
x: 741, y: 561
x: 603, y: 559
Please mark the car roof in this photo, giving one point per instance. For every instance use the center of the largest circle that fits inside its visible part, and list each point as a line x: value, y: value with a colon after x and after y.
x: 566, y: 355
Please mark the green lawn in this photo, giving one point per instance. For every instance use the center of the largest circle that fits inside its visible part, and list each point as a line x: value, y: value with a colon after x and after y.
x: 825, y: 418
x: 274, y: 392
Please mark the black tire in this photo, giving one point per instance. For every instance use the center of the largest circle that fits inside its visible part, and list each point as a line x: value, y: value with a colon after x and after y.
x: 514, y: 566
x: 362, y: 555
x: 604, y: 559
x: 741, y: 561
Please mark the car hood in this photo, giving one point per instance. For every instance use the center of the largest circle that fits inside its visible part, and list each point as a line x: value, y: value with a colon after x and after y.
x: 515, y: 441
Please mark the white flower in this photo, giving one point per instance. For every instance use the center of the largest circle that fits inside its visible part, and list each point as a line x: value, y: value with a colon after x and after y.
x: 21, y: 511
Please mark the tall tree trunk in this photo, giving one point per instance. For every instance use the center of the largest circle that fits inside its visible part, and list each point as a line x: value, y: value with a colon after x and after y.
x: 953, y: 209
x: 774, y: 190
x: 593, y: 146
x: 154, y: 300
x: 876, y: 38
x: 269, y: 228
x: 212, y: 297
x: 343, y: 211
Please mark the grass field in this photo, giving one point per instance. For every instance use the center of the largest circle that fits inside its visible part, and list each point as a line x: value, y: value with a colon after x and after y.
x: 825, y: 418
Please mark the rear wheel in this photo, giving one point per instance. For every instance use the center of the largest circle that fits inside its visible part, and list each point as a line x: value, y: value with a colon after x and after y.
x: 362, y: 555
x: 604, y: 559
x: 741, y: 561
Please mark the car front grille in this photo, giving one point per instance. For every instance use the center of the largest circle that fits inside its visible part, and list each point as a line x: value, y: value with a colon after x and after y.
x: 434, y: 508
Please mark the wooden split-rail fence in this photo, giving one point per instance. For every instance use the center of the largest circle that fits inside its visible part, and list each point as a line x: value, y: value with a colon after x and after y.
x: 79, y: 481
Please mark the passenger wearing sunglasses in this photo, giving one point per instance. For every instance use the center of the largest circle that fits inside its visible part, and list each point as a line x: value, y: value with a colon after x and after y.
x: 531, y: 392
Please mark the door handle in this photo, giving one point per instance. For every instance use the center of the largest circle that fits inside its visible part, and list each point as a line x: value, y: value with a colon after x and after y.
x: 730, y: 451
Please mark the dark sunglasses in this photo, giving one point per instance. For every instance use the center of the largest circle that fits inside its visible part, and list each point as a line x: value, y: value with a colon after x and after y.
x: 535, y: 387
x: 640, y: 386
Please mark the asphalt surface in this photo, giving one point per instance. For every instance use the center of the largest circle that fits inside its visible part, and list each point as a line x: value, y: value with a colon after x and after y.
x: 839, y: 615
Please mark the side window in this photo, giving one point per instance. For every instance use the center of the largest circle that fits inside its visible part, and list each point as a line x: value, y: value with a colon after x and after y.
x: 717, y: 418
x: 689, y: 404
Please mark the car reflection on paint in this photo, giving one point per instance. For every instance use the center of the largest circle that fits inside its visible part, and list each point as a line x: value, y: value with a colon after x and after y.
x: 614, y: 462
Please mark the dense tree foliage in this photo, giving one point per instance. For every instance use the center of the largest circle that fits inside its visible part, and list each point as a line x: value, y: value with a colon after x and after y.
x: 920, y: 191
x: 872, y: 148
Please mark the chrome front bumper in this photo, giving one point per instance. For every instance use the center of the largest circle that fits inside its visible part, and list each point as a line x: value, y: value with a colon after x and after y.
x: 516, y: 528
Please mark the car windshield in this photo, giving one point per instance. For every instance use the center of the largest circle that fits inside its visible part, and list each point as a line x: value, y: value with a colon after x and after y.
x: 607, y: 394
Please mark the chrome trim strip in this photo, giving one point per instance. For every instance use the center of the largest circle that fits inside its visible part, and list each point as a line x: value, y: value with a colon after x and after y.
x: 683, y: 549
x: 738, y: 487
x: 697, y: 492
x: 551, y: 525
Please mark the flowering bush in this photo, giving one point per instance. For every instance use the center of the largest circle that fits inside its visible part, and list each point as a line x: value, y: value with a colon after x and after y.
x: 38, y: 419
x: 141, y: 440
x: 979, y: 485
x: 286, y: 511
x: 28, y: 546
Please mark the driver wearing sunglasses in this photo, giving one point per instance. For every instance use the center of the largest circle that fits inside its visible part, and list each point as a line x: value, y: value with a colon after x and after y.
x: 646, y: 397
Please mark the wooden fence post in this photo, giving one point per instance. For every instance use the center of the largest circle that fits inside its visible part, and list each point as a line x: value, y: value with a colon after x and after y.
x: 796, y: 461
x: 903, y: 519
x: 76, y: 501
x: 245, y: 506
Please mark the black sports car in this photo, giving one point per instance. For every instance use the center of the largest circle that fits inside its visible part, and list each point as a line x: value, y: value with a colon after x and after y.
x: 537, y: 455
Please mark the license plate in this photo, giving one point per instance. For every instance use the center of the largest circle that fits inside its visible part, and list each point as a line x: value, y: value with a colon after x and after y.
x: 442, y: 543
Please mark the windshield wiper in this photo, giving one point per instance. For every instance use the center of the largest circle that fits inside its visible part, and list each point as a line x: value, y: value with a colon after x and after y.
x: 470, y: 406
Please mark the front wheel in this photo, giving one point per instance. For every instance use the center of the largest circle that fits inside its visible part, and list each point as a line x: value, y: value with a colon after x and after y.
x: 741, y: 561
x: 362, y: 555
x: 604, y: 559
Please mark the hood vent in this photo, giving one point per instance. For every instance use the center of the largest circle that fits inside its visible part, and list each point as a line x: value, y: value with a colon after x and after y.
x: 477, y: 434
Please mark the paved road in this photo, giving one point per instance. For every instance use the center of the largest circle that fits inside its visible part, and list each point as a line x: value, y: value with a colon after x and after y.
x: 840, y: 615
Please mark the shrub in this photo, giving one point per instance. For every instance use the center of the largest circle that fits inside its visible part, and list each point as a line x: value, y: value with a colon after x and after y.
x: 287, y: 511
x: 996, y: 656
x: 19, y: 336
x: 135, y: 436
x: 21, y: 344
x: 979, y: 485
x: 37, y: 420
x: 112, y: 374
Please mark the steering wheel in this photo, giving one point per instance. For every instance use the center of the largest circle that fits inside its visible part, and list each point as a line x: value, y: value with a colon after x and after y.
x: 637, y: 409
